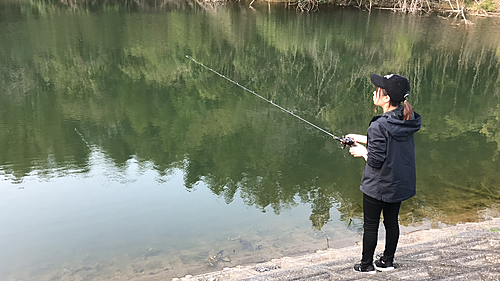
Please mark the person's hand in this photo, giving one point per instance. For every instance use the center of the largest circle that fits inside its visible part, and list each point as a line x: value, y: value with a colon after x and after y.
x: 357, y: 138
x: 359, y: 151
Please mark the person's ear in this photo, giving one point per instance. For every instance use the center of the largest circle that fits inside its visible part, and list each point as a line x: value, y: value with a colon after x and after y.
x: 386, y: 98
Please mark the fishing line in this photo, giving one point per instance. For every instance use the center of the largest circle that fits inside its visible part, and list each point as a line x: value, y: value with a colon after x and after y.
x: 343, y: 140
x: 83, y: 139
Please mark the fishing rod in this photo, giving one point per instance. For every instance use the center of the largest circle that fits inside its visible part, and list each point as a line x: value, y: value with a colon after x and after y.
x: 345, y: 141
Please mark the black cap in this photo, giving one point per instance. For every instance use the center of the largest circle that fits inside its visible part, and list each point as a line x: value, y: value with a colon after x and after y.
x: 396, y: 86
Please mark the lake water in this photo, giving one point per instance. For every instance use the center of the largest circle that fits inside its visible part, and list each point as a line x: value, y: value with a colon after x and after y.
x: 121, y: 158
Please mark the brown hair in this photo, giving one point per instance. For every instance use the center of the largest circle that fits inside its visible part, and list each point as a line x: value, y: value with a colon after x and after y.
x: 408, y: 109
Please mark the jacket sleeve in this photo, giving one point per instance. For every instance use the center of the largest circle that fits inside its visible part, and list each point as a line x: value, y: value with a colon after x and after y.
x: 377, y: 145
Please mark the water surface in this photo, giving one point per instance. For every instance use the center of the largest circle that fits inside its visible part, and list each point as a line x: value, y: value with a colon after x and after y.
x: 120, y: 157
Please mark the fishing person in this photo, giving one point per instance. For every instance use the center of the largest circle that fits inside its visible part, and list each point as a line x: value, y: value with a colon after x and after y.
x: 389, y: 176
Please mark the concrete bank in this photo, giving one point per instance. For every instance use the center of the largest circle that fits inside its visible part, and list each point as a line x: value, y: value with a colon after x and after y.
x: 469, y: 251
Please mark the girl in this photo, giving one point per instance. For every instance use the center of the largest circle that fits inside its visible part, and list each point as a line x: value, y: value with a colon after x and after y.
x: 389, y: 176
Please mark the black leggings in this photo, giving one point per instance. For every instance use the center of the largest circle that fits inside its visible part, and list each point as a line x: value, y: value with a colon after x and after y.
x: 371, y: 212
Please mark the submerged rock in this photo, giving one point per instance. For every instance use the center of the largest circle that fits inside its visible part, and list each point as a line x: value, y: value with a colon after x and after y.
x: 151, y: 252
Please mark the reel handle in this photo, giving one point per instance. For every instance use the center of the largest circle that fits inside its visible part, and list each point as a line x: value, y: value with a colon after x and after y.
x: 345, y: 141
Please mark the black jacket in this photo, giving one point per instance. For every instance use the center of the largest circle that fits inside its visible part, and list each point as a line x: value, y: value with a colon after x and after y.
x: 389, y: 173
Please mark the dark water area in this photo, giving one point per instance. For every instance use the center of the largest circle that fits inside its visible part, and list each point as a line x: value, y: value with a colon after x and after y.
x: 121, y: 157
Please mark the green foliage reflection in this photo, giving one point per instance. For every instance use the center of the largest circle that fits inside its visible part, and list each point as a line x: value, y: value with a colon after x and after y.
x: 131, y: 92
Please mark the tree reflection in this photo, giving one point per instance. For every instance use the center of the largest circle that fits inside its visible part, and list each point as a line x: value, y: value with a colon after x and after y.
x: 130, y: 91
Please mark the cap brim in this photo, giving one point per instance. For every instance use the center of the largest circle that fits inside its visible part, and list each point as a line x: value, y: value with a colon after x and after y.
x: 377, y: 80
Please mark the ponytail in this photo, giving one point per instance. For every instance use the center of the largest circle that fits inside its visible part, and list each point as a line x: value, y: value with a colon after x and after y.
x: 408, y: 111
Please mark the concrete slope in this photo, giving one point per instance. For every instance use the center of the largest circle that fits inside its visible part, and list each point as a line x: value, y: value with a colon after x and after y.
x: 468, y: 251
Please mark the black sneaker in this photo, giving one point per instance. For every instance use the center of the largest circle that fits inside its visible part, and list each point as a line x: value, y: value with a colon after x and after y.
x: 369, y: 269
x: 382, y: 265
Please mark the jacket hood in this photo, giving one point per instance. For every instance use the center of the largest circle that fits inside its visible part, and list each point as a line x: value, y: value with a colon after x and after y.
x: 398, y: 128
